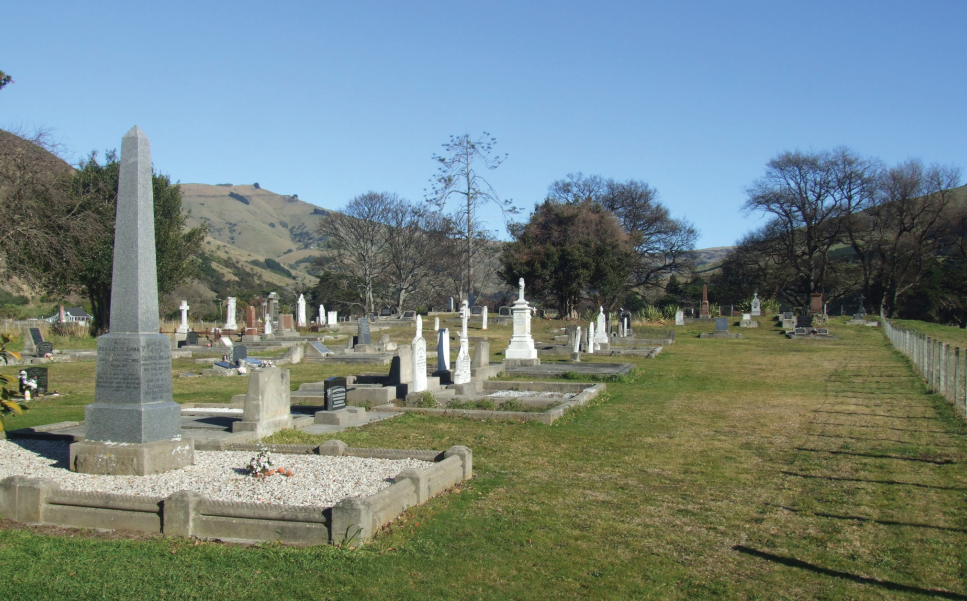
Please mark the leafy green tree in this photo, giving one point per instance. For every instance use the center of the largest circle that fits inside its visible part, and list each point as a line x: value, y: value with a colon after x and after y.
x: 570, y: 252
x: 4, y: 79
x: 81, y: 259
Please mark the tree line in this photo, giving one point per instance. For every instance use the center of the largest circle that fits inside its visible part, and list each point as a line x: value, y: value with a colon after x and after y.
x: 853, y: 229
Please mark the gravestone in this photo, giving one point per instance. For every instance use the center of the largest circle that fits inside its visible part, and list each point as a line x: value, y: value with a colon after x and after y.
x: 301, y: 320
x: 704, y: 314
x: 591, y: 343
x: 679, y: 318
x: 601, y: 328
x: 721, y: 324
x: 35, y: 338
x: 230, y: 315
x: 332, y: 318
x: 521, y: 346
x: 801, y: 331
x: 335, y: 394
x: 273, y: 307
x: 250, y: 319
x: 483, y: 316
x: 45, y: 348
x: 239, y: 352
x: 823, y: 331
x: 267, y: 401
x: 385, y: 312
x: 286, y: 323
x: 183, y: 328
x: 409, y: 314
x: 320, y: 349
x: 804, y: 321
x: 788, y: 315
x: 40, y: 375
x: 503, y: 312
x: 443, y: 350
x: 756, y: 305
x: 574, y: 341
x: 476, y: 310
x: 191, y: 339
x: 436, y: 324
x: 322, y: 315
x: 859, y: 317
x: 418, y: 349
x: 133, y: 427
x: 362, y: 335
x: 816, y: 302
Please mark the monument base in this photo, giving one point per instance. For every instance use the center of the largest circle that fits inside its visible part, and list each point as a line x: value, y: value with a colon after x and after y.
x: 133, y: 423
x: 122, y: 459
x: 264, y: 428
x: 522, y: 362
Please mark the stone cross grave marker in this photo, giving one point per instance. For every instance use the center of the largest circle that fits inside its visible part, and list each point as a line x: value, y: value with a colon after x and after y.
x: 419, y: 357
x: 183, y: 328
x: 601, y: 328
x: 230, y: 323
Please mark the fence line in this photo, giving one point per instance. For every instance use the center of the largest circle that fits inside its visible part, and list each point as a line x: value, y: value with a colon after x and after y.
x: 944, y: 369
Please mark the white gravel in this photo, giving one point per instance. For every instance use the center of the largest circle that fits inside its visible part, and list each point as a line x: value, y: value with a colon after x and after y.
x: 513, y: 394
x: 318, y: 481
x: 211, y: 410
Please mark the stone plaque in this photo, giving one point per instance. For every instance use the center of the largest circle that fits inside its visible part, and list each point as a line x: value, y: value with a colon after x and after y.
x: 44, y: 347
x: 801, y: 331
x: 225, y: 364
x: 385, y: 312
x: 824, y: 331
x: 335, y: 393
x: 476, y: 310
x: 409, y: 314
x: 363, y: 336
x: 321, y: 348
x: 804, y: 321
x: 503, y: 312
x: 191, y: 339
x: 36, y: 336
x: 133, y: 368
x: 39, y: 374
x: 721, y: 324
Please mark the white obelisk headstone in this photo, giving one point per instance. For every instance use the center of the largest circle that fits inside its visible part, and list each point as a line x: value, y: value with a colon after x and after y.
x: 521, y: 344
x: 419, y: 357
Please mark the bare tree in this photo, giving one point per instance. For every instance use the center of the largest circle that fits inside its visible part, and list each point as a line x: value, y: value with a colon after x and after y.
x: 357, y: 243
x: 459, y: 175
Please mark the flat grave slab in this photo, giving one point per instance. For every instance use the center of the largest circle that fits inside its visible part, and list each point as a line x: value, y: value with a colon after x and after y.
x: 556, y: 369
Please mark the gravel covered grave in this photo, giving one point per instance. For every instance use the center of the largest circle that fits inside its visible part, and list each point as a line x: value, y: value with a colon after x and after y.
x: 318, y: 481
x: 543, y: 394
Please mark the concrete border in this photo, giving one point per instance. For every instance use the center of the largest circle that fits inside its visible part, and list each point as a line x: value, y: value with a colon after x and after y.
x: 352, y: 520
x: 546, y: 417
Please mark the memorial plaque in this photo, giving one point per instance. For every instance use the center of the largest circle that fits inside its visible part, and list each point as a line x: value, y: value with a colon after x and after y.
x: 801, y: 331
x: 824, y: 331
x: 225, y: 365
x: 804, y: 321
x: 385, y: 312
x: 239, y: 352
x: 191, y: 339
x: 36, y: 336
x: 363, y: 337
x: 476, y: 310
x: 721, y: 324
x: 321, y: 348
x: 409, y: 314
x: 133, y: 367
x: 39, y: 374
x: 335, y: 391
x: 44, y: 348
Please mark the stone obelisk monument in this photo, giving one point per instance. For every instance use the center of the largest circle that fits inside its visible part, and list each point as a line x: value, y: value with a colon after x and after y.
x: 133, y: 427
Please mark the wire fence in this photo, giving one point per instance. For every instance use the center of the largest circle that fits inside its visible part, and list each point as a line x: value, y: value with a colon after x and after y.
x: 943, y: 368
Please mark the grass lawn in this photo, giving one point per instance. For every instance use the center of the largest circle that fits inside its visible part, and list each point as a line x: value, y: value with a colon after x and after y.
x: 760, y: 468
x: 954, y: 336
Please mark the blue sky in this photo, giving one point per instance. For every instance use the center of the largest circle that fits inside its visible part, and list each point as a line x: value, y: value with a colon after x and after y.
x: 328, y: 100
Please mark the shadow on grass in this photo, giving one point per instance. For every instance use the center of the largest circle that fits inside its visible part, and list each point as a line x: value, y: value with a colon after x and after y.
x: 840, y: 479
x: 883, y: 428
x: 856, y: 518
x: 886, y: 584
x: 879, y: 456
x: 942, y: 446
x: 875, y: 414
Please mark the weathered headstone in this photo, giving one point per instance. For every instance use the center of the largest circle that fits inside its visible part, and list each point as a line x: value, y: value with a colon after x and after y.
x: 436, y: 324
x: 418, y: 348
x: 601, y: 328
x: 191, y: 339
x: 679, y: 318
x: 385, y: 312
x: 266, y: 409
x: 476, y: 310
x: 721, y: 324
x: 238, y: 353
x: 335, y: 393
x: 301, y: 320
x: 183, y: 328
x: 230, y: 323
x: 273, y: 306
x: 133, y: 427
x: 362, y: 328
x: 816, y: 302
x: 705, y: 314
x: 461, y: 372
x: 481, y: 355
x: 318, y: 349
x: 332, y: 317
x: 591, y: 342
x: 443, y: 350
x: 483, y: 318
x: 32, y: 337
x: 251, y: 321
x: 756, y: 305
x: 409, y: 315
x: 521, y: 346
x: 503, y: 312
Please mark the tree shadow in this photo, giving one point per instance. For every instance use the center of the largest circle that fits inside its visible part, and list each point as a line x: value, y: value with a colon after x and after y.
x: 886, y: 584
x: 874, y: 414
x: 55, y: 450
x: 864, y: 438
x: 884, y: 428
x: 856, y: 518
x: 879, y: 456
x: 841, y: 479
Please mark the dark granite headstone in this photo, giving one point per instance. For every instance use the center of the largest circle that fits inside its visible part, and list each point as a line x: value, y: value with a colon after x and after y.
x: 191, y: 339
x: 44, y: 348
x: 363, y: 337
x: 335, y: 391
x: 385, y: 312
x: 36, y: 336
x: 239, y: 352
x: 787, y: 315
x: 409, y: 314
x: 503, y: 312
x: 824, y: 331
x: 804, y: 321
x: 801, y: 331
x: 39, y: 374
x: 721, y: 324
x: 476, y: 310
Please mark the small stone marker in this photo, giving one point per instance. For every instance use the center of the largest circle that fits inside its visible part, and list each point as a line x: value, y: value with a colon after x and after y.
x: 436, y: 324
x: 721, y: 324
x: 409, y: 315
x: 756, y: 305
x: 133, y: 427
x: 503, y: 312
x: 476, y: 310
x: 804, y: 321
x: 418, y: 349
x: 483, y: 315
x: 362, y: 336
x: 332, y: 318
x: 266, y: 409
x: 230, y: 323
x: 335, y: 393
x: 679, y: 318
x: 183, y: 328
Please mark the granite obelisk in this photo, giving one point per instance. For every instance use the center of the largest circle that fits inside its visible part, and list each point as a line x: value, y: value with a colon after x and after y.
x: 133, y: 427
